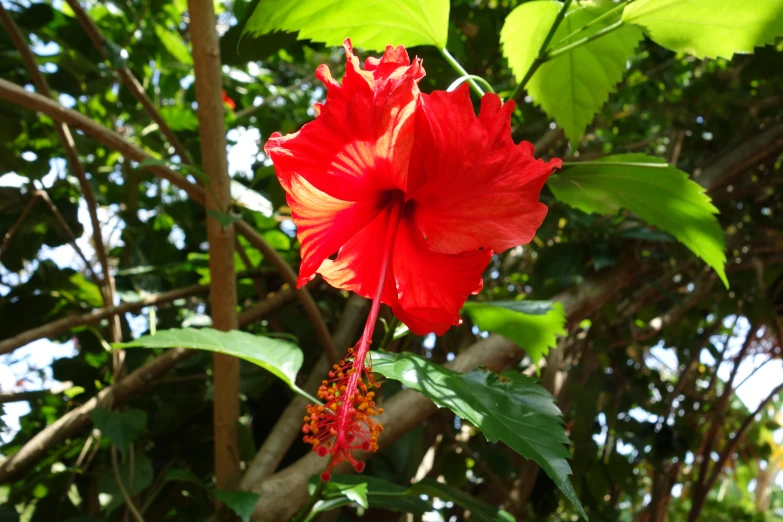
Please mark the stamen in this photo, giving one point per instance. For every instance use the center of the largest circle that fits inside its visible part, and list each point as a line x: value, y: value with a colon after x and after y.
x: 344, y: 423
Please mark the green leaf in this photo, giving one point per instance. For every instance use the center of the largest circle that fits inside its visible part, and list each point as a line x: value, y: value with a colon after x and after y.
x: 179, y: 118
x: 174, y: 45
x: 524, y: 32
x: 508, y: 407
x: 533, y: 325
x: 122, y: 428
x: 224, y: 218
x: 662, y: 195
x: 369, y: 491
x: 403, y: 22
x: 281, y: 358
x: 183, y: 475
x: 573, y: 87
x: 243, y: 503
x: 708, y: 28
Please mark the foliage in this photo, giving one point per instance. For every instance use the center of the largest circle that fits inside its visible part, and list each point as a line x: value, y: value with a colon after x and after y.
x: 667, y: 116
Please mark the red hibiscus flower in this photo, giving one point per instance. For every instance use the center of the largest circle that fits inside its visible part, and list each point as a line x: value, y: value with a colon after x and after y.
x: 414, y: 193
x: 228, y: 101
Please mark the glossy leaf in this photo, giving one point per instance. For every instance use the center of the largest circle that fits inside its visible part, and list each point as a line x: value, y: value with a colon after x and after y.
x: 572, y: 87
x: 662, y: 195
x: 281, y: 358
x: 372, y: 27
x: 533, y: 325
x: 508, y: 407
x: 708, y: 28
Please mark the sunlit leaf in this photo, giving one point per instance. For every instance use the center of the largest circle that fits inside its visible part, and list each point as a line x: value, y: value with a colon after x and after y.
x: 281, y: 358
x: 663, y: 195
x: 533, y: 325
x: 708, y: 28
x: 372, y: 27
x: 509, y: 407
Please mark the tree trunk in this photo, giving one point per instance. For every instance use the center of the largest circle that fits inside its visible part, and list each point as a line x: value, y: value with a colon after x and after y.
x: 211, y: 116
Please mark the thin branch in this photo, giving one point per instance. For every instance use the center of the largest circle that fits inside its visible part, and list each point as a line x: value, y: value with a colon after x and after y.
x: 66, y: 139
x: 60, y: 326
x: 18, y: 223
x: 15, y: 94
x: 76, y: 420
x: 731, y: 445
x: 129, y: 80
x: 68, y: 232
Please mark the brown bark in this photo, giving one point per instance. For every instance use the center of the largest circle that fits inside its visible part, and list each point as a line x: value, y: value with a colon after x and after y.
x: 212, y: 132
x: 72, y: 423
x: 66, y: 139
x: 129, y: 80
x: 54, y: 110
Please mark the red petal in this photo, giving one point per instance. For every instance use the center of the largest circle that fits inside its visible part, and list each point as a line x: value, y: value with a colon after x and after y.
x: 358, y: 265
x: 479, y: 189
x: 360, y: 142
x: 432, y: 287
x: 324, y: 223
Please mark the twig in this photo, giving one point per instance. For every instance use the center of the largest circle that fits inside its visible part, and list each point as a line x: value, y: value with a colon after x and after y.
x: 66, y: 139
x: 18, y: 223
x: 129, y: 80
x: 32, y: 101
x: 121, y: 484
x: 68, y: 232
x: 73, y: 422
x: 61, y: 326
x: 541, y: 51
x: 29, y: 395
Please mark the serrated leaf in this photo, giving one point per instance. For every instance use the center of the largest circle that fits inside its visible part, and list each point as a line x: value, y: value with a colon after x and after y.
x: 281, y: 358
x: 122, y: 428
x: 664, y: 196
x: 573, y: 87
x: 508, y: 407
x: 371, y: 26
x: 708, y: 28
x: 243, y: 503
x: 174, y: 45
x: 533, y: 325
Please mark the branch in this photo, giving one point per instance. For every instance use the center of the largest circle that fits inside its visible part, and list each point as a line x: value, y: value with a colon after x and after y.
x: 66, y: 139
x: 289, y: 425
x: 73, y: 422
x: 129, y: 80
x: 111, y: 139
x: 61, y: 326
x: 18, y: 223
x: 212, y: 134
x: 731, y: 445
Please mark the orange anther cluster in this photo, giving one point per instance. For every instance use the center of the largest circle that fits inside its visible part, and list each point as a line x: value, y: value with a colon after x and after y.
x: 344, y: 423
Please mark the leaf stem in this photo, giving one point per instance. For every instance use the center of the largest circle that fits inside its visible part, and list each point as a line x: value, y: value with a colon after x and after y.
x: 124, y: 492
x: 461, y: 70
x: 541, y: 52
x: 389, y: 337
x: 587, y: 39
x: 594, y: 21
x: 456, y: 83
